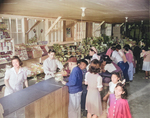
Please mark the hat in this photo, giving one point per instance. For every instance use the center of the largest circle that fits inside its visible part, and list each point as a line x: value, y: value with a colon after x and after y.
x: 94, y: 49
x: 72, y: 59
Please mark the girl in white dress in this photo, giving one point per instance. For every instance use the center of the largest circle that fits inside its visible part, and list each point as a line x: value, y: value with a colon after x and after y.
x: 114, y: 80
x: 15, y: 77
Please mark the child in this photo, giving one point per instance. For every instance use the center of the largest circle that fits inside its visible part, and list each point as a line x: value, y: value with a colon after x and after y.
x: 146, y: 62
x: 114, y: 80
x: 119, y: 107
x: 130, y: 62
x: 94, y: 82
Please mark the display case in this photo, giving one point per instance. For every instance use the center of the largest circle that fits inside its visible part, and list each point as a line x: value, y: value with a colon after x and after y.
x: 6, y: 52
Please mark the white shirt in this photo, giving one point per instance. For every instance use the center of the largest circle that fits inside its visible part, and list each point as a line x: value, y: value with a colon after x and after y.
x: 15, y: 80
x: 112, y: 87
x: 110, y: 67
x: 50, y: 66
x: 95, y: 56
x: 116, y: 57
x: 121, y: 53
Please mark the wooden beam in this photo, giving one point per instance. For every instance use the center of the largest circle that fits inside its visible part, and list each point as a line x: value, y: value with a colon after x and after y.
x: 25, y: 30
x: 53, y: 25
x: 37, y: 22
x: 99, y: 26
x: 64, y: 31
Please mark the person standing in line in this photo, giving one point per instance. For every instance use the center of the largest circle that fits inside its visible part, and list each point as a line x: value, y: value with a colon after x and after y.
x: 15, y: 77
x: 119, y: 107
x: 118, y: 60
x: 82, y: 65
x: 125, y: 64
x: 146, y: 62
x: 109, y: 51
x: 129, y: 57
x: 93, y: 98
x: 136, y: 52
x: 93, y: 53
x: 51, y: 64
x: 75, y: 89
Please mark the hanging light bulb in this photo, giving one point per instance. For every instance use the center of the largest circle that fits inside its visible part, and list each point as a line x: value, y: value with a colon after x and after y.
x: 83, y: 11
x: 126, y: 19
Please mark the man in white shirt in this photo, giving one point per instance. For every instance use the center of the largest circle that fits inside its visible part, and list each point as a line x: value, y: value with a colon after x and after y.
x: 116, y: 57
x: 51, y: 64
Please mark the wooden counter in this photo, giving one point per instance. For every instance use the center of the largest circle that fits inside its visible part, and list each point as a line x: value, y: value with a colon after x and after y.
x: 46, y: 99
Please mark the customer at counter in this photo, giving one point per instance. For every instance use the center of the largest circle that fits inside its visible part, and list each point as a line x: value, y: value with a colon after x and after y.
x: 82, y: 65
x: 75, y: 89
x: 15, y: 77
x: 51, y: 64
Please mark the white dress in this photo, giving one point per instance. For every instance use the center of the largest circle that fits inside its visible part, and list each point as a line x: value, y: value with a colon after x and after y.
x: 112, y: 87
x: 15, y: 80
x: 111, y: 90
x: 110, y: 67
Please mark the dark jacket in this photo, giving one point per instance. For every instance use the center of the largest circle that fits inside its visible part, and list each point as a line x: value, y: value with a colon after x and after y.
x: 75, y: 80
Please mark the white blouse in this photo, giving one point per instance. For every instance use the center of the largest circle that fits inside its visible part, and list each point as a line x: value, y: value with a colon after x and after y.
x: 110, y: 67
x: 15, y: 80
x: 116, y: 57
x: 95, y: 56
x: 50, y: 66
x: 112, y: 87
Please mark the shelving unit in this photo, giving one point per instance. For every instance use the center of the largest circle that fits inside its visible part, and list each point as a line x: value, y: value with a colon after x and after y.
x: 7, y: 45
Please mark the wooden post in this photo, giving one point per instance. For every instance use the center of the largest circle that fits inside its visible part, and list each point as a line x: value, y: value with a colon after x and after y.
x: 46, y: 28
x: 64, y: 30
x: 26, y: 29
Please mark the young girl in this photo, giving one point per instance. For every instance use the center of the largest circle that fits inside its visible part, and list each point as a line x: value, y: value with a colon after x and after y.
x: 15, y: 77
x: 119, y: 107
x: 146, y: 62
x: 93, y: 98
x: 114, y: 80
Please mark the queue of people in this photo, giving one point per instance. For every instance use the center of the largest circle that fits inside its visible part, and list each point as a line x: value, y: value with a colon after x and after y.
x: 87, y: 78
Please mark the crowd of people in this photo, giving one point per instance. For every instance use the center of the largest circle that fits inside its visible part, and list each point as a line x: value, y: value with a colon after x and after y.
x: 87, y: 77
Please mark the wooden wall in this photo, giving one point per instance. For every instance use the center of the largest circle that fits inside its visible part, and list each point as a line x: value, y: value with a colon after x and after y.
x: 53, y: 105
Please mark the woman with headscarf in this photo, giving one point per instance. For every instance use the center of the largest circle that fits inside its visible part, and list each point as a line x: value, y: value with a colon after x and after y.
x: 93, y: 53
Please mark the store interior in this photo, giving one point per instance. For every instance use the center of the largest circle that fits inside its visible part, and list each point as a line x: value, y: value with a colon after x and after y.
x: 29, y: 29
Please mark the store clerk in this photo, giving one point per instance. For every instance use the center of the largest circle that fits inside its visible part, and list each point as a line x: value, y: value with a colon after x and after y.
x: 51, y: 64
x: 15, y: 77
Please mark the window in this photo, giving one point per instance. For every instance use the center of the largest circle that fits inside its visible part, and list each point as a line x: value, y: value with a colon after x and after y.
x: 15, y: 29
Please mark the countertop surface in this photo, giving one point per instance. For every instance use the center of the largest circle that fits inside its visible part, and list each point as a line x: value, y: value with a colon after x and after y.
x: 26, y: 96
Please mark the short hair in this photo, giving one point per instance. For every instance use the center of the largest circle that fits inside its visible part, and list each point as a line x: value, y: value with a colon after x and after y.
x: 106, y: 58
x: 126, y: 48
x: 123, y: 96
x: 118, y: 47
x: 117, y: 74
x: 16, y: 57
x: 127, y: 45
x: 51, y: 50
x: 84, y: 61
x: 145, y: 48
x: 94, y: 66
x: 113, y: 47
